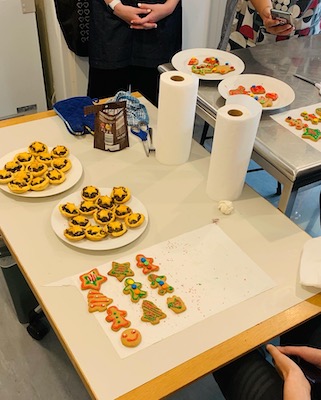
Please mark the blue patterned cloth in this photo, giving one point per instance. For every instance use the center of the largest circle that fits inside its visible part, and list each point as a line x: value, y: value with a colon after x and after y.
x: 136, y: 111
x: 71, y: 111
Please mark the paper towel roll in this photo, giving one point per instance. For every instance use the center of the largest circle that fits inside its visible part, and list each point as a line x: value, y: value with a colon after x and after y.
x: 235, y: 131
x: 176, y: 114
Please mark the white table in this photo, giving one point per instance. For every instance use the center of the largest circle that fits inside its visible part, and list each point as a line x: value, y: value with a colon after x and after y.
x: 176, y: 202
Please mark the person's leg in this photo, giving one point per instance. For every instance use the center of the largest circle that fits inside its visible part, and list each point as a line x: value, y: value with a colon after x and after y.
x: 251, y: 377
x: 146, y: 81
x: 106, y: 83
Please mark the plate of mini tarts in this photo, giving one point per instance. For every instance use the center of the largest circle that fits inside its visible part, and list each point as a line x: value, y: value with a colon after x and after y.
x: 72, y: 176
x: 90, y: 193
x: 118, y: 239
x: 59, y: 151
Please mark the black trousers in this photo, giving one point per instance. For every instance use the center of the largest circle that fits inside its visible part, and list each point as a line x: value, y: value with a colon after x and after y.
x: 106, y: 83
x: 252, y: 377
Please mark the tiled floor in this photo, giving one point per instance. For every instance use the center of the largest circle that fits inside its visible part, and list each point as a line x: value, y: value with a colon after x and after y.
x: 41, y: 370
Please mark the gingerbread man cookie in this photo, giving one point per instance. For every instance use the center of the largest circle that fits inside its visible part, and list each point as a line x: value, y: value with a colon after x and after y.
x: 296, y: 122
x: 97, y: 301
x: 120, y: 270
x: 92, y: 280
x: 134, y: 290
x: 159, y: 281
x: 146, y: 263
x: 151, y: 313
x: 117, y: 317
x: 310, y: 117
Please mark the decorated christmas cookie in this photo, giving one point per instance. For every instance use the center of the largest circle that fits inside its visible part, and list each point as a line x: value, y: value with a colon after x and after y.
x: 312, y: 134
x: 121, y: 270
x: 92, y: 280
x: 134, y: 290
x: 97, y: 301
x: 117, y: 317
x: 146, y: 263
x: 176, y: 304
x: 159, y: 282
x: 131, y: 337
x: 151, y: 313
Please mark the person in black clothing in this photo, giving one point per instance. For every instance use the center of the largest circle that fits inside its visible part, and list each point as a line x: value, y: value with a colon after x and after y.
x: 128, y: 41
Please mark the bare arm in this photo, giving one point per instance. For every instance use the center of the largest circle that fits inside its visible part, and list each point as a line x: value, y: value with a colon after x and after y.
x: 296, y: 386
x: 157, y: 12
x: 263, y: 7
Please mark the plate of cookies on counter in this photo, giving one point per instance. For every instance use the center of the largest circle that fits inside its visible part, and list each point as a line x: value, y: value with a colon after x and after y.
x: 99, y: 218
x: 39, y: 170
x: 270, y: 92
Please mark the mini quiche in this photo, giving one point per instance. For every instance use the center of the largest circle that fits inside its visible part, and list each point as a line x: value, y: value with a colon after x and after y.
x: 37, y: 148
x: 116, y: 228
x: 90, y: 193
x: 87, y: 207
x: 69, y: 210
x: 134, y: 220
x: 120, y: 194
x: 94, y: 232
x: 5, y: 176
x: 24, y: 158
x: 102, y: 216
x: 61, y: 163
x: 36, y: 168
x: 14, y: 166
x: 105, y: 202
x: 55, y: 177
x: 60, y: 151
x: 44, y: 158
x: 121, y: 211
x: 39, y: 183
x: 79, y: 220
x: 19, y: 186
x: 74, y: 233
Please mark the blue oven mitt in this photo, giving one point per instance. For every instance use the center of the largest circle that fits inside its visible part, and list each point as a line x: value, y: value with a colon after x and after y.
x: 71, y: 111
x: 136, y: 111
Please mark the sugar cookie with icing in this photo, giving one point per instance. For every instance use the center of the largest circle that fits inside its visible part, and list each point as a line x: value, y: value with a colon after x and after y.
x: 117, y: 318
x: 151, y: 313
x: 176, y: 304
x: 131, y: 337
x: 97, y: 301
x: 120, y: 270
x: 92, y: 280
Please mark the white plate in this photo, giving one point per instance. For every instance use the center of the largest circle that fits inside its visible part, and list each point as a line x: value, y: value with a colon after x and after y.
x: 72, y: 177
x: 284, y: 91
x: 181, y: 59
x: 59, y: 223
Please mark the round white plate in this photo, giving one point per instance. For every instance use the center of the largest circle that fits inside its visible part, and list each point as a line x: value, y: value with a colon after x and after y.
x: 181, y: 59
x: 72, y: 177
x: 59, y: 223
x: 284, y: 91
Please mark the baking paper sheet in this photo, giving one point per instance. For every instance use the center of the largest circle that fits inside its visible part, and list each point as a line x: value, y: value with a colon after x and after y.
x: 205, y: 267
x: 280, y: 118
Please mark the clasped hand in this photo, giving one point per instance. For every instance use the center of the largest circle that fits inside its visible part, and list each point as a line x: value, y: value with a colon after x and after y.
x: 145, y: 16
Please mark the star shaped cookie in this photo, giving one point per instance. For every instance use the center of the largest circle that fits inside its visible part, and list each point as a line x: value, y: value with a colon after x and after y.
x: 120, y: 270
